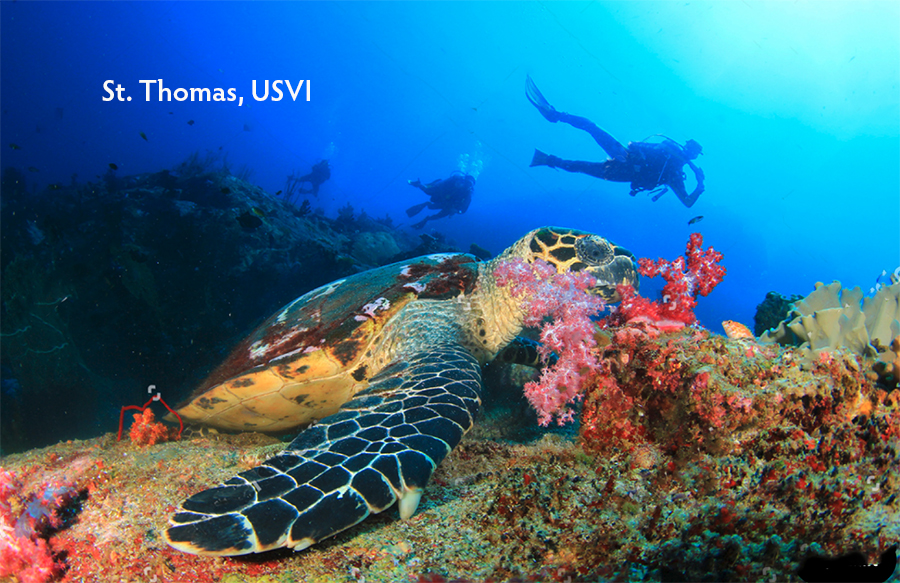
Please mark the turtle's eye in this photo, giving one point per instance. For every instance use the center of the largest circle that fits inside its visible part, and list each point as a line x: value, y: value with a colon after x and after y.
x: 594, y: 250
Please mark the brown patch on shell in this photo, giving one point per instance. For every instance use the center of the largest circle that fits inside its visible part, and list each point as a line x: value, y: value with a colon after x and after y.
x: 444, y: 280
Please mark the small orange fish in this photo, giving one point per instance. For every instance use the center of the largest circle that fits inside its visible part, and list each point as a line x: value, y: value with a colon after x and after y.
x: 736, y: 330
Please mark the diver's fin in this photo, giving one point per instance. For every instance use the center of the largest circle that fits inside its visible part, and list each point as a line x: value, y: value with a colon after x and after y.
x: 540, y: 159
x: 416, y: 209
x: 420, y: 224
x: 538, y: 100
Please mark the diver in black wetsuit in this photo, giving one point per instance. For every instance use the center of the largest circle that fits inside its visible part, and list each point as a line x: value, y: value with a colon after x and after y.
x: 647, y: 166
x: 319, y: 174
x: 451, y: 195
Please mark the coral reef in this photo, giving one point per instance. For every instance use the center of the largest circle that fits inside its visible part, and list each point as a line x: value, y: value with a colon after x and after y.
x: 697, y: 458
x: 832, y: 317
x: 751, y: 439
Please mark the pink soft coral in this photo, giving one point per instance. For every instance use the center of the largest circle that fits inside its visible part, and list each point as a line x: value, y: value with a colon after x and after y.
x: 697, y: 273
x: 564, y: 299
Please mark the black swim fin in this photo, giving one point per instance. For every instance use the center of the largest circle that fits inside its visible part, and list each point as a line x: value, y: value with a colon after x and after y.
x: 540, y: 159
x: 537, y: 99
x: 416, y: 209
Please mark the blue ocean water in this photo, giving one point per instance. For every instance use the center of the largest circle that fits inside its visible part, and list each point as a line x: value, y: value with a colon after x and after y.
x: 797, y: 107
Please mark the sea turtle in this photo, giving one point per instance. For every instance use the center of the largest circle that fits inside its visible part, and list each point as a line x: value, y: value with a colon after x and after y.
x: 387, y: 363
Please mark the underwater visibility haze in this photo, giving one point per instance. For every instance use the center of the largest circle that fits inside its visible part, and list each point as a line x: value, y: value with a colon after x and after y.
x: 175, y: 173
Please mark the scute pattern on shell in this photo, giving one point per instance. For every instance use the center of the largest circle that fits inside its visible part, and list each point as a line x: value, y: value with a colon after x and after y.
x: 334, y: 317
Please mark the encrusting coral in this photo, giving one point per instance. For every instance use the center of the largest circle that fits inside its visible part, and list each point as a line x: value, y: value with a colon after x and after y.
x: 832, y: 317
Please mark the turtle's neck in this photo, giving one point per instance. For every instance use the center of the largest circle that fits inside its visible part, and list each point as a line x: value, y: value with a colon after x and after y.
x: 497, y: 315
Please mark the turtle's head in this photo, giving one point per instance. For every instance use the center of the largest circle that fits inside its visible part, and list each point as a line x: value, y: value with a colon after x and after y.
x: 573, y: 250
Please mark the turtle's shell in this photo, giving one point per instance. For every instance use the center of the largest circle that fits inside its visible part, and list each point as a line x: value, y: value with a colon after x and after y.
x: 314, y: 354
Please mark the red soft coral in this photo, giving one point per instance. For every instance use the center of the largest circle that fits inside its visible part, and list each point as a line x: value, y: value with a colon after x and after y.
x: 147, y: 431
x: 697, y: 273
x: 564, y: 299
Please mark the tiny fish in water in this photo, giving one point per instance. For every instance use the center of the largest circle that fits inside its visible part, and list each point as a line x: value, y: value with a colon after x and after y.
x: 143, y: 135
x: 736, y: 330
x: 258, y: 212
x: 885, y: 278
x: 277, y: 193
x: 33, y: 169
x: 54, y: 186
x: 190, y: 122
x: 15, y: 147
x: 696, y: 219
x: 113, y: 166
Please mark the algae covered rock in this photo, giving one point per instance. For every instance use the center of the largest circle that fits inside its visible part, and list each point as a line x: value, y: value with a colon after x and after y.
x: 375, y: 248
x: 773, y: 309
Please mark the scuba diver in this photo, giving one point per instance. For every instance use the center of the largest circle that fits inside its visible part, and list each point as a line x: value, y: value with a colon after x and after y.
x: 319, y: 174
x: 647, y: 166
x: 451, y: 195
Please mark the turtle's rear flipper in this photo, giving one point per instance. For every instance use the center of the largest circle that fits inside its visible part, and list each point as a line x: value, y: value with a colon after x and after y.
x: 381, y: 447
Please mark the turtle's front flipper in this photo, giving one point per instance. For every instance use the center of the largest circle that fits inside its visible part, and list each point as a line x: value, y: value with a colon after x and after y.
x: 381, y: 447
x: 525, y: 351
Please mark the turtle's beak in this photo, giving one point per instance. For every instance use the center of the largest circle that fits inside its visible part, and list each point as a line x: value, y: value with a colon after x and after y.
x: 620, y: 269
